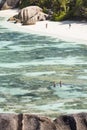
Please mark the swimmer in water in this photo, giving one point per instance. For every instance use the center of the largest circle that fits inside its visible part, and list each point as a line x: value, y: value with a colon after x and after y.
x: 60, y: 84
x: 54, y: 84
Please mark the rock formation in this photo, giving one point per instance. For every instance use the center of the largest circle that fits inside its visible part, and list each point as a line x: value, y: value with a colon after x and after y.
x: 33, y: 122
x: 10, y: 122
x: 36, y: 122
x: 29, y: 15
x: 8, y: 4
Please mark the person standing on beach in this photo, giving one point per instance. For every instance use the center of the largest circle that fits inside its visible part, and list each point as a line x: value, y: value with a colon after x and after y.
x: 69, y: 25
x: 46, y: 25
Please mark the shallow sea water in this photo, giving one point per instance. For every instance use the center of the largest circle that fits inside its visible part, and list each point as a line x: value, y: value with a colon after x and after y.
x: 31, y: 68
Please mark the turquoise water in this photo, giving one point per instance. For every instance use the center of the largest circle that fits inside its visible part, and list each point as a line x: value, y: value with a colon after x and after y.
x: 29, y: 66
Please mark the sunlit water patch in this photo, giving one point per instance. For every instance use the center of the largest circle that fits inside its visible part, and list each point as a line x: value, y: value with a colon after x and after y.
x: 31, y: 64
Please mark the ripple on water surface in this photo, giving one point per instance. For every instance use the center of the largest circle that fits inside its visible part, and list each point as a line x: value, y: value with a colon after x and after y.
x: 29, y: 67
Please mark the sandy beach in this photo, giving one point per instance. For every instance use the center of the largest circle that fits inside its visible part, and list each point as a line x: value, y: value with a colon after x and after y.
x: 76, y: 32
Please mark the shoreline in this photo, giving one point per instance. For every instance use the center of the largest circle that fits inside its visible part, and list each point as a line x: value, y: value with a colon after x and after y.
x: 61, y: 30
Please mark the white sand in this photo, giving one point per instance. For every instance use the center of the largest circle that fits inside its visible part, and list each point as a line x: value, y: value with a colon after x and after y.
x: 77, y: 31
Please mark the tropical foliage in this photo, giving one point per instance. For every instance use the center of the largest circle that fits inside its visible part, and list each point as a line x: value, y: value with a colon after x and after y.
x: 61, y: 9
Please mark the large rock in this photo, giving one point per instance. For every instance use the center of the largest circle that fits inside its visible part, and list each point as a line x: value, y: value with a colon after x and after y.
x: 71, y: 122
x: 36, y: 122
x: 8, y: 4
x: 40, y: 16
x: 29, y: 15
x: 33, y: 122
x: 65, y: 122
x: 10, y: 122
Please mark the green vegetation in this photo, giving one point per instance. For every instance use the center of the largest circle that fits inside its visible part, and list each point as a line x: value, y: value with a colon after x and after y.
x: 61, y: 9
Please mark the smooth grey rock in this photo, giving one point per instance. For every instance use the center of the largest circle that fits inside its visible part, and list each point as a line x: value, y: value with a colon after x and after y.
x: 10, y: 122
x: 71, y: 122
x: 32, y: 14
x: 65, y: 122
x: 81, y: 121
x: 8, y: 4
x: 29, y: 15
x: 33, y: 122
x: 36, y: 122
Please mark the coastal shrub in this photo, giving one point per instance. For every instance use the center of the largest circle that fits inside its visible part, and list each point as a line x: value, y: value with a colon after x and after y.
x: 61, y: 9
x: 59, y: 17
x: 24, y: 3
